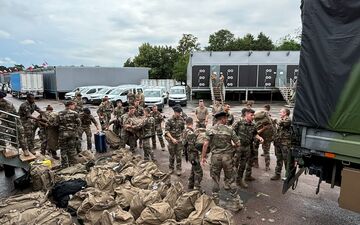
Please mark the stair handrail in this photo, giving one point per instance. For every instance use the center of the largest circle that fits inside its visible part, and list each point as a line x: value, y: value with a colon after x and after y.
x: 9, y: 129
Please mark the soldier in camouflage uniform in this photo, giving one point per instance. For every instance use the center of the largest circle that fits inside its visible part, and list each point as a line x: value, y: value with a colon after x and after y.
x: 282, y: 143
x: 217, y: 107
x: 118, y: 112
x: 86, y: 120
x: 202, y: 115
x: 69, y: 122
x: 140, y: 96
x: 139, y: 110
x: 104, y: 112
x: 52, y: 133
x: 246, y: 131
x: 131, y: 97
x: 147, y: 132
x: 25, y: 112
x: 6, y: 106
x: 230, y: 118
x: 159, y: 119
x: 173, y: 130
x: 189, y: 142
x: 79, y: 103
x: 220, y: 138
x: 42, y: 124
x: 127, y: 136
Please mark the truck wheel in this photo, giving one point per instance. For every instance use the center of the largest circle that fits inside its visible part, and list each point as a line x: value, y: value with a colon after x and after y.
x: 84, y: 100
x: 9, y: 171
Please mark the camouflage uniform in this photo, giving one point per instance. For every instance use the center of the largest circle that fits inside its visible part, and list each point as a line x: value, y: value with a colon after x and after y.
x: 141, y: 98
x: 215, y: 109
x: 104, y: 111
x: 69, y: 122
x: 118, y: 112
x: 139, y: 111
x: 79, y: 105
x: 25, y: 111
x: 42, y: 133
x: 201, y: 113
x: 147, y: 131
x: 220, y: 137
x: 131, y: 98
x: 246, y: 133
x: 175, y: 127
x: 282, y: 144
x: 159, y: 133
x: 231, y: 119
x: 86, y: 121
x: 52, y: 133
x: 127, y: 136
x: 189, y: 140
x: 267, y: 135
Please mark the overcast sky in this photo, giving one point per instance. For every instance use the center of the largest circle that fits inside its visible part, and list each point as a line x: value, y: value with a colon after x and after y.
x: 106, y: 33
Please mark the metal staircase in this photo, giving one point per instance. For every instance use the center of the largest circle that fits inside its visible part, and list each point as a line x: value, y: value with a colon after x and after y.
x: 10, y: 153
x: 287, y: 93
x: 217, y: 92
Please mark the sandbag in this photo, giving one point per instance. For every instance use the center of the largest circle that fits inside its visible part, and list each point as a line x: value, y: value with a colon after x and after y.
x: 141, y: 200
x: 128, y: 170
x: 20, y: 203
x: 44, y: 215
x: 122, y: 156
x: 93, y: 206
x: 124, y: 194
x: 116, y: 217
x: 176, y: 189
x: 155, y: 214
x: 112, y: 139
x: 202, y: 205
x: 185, y: 204
x: 77, y: 199
x: 102, y: 178
x: 85, y: 156
x: 76, y: 171
x: 174, y: 222
x: 160, y: 187
x: 62, y: 190
x: 42, y: 178
x: 142, y: 181
x: 218, y: 216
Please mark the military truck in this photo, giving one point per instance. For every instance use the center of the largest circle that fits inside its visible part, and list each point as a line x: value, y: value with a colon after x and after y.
x: 326, y: 118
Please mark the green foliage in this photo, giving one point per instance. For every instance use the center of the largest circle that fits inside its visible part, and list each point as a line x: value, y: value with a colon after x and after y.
x: 180, y: 68
x: 187, y: 44
x: 263, y: 43
x: 288, y: 43
x: 221, y: 40
x: 129, y: 63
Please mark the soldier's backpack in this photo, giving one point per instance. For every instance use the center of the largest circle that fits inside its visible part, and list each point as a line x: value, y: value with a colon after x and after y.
x: 21, y: 202
x: 116, y: 217
x: 112, y: 139
x: 218, y: 216
x: 141, y: 200
x: 42, y: 178
x: 176, y: 189
x: 155, y: 214
x: 200, y: 138
x: 202, y: 205
x: 185, y: 204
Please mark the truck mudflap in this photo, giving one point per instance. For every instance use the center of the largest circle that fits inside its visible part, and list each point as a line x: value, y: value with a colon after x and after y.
x: 292, y: 179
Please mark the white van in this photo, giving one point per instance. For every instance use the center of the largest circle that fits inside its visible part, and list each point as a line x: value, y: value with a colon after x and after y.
x: 85, y: 91
x: 154, y: 96
x: 177, y: 95
x: 121, y: 92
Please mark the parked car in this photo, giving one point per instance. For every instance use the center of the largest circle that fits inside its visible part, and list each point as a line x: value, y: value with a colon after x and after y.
x: 154, y: 96
x: 85, y: 91
x: 120, y: 92
x: 97, y: 97
x: 177, y: 95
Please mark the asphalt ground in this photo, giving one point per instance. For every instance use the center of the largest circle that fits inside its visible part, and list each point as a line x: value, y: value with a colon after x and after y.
x: 263, y: 201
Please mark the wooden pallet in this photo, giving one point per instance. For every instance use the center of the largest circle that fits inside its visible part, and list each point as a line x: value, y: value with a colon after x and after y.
x: 11, y: 153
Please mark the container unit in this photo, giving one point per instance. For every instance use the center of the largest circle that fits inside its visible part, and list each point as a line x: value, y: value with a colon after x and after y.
x: 23, y: 83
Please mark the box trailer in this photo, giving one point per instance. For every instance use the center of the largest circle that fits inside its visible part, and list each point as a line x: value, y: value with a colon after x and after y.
x: 23, y: 83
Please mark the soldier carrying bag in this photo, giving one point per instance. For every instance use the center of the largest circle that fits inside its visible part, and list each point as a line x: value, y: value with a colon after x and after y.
x: 42, y: 178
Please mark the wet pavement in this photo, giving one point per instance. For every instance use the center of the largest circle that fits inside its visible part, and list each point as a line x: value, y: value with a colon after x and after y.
x: 263, y: 201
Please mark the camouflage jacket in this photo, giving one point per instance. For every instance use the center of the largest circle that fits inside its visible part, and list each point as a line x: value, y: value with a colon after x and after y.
x: 105, y: 107
x: 268, y: 133
x: 147, y: 127
x: 51, y: 117
x: 230, y: 120
x: 79, y: 105
x: 174, y: 126
x: 245, y: 131
x: 283, y: 133
x: 119, y: 111
x: 158, y: 118
x: 87, y: 119
x: 189, y: 139
x: 68, y: 121
x: 216, y: 109
x: 139, y: 111
x: 26, y: 110
x: 7, y: 106
x: 220, y: 139
x: 131, y: 98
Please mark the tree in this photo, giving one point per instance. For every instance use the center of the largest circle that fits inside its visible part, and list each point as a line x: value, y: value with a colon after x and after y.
x: 245, y: 43
x: 180, y: 68
x: 220, y: 41
x: 263, y: 43
x: 188, y: 43
x: 288, y: 43
x: 129, y: 63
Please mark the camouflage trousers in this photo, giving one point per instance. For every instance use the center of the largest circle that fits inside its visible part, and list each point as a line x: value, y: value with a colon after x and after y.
x: 129, y: 139
x: 196, y: 174
x: 148, y: 152
x: 67, y: 145
x: 105, y: 121
x: 175, y: 153
x: 200, y: 124
x: 29, y: 134
x: 266, y: 149
x: 281, y: 152
x: 88, y: 134
x: 243, y: 161
x: 43, y: 139
x: 159, y: 134
x: 117, y: 129
x: 224, y: 162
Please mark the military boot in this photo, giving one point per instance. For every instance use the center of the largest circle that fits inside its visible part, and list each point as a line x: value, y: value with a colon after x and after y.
x: 242, y: 184
x: 215, y: 198
x: 235, y: 204
x: 275, y: 177
x: 26, y: 152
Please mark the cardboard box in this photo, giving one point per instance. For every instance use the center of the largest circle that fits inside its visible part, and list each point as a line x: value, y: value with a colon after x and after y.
x: 350, y: 189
